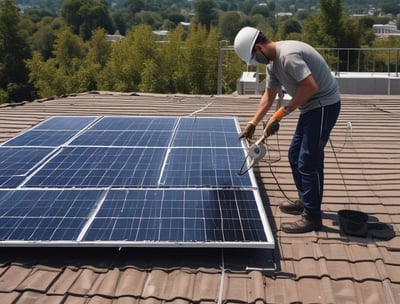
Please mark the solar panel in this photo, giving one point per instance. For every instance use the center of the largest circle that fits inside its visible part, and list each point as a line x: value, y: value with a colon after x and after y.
x: 73, y: 123
x: 123, y: 138
x: 52, y: 132
x: 100, y: 167
x: 195, y: 215
x: 207, y: 167
x: 17, y: 163
x: 45, y: 215
x: 130, y: 181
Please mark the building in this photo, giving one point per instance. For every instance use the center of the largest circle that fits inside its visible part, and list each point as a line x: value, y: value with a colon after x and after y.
x: 382, y: 30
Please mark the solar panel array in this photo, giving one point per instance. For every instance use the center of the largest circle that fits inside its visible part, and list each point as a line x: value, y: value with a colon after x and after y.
x: 129, y: 181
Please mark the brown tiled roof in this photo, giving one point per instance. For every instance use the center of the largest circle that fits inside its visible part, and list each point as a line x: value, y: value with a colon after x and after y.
x: 362, y: 173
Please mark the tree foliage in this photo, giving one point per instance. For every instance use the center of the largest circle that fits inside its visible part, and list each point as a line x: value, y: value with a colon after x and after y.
x: 71, y: 53
x: 325, y: 28
x: 84, y: 16
x: 14, y: 50
x: 206, y: 13
x: 229, y: 25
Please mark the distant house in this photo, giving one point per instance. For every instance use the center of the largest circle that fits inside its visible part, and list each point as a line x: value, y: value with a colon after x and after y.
x: 385, y: 30
x: 115, y: 38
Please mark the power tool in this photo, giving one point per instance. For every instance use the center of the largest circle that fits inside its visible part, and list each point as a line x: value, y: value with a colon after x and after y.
x: 258, y: 150
x: 255, y: 153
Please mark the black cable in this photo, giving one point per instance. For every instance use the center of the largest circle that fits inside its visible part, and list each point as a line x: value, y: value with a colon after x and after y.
x: 270, y: 162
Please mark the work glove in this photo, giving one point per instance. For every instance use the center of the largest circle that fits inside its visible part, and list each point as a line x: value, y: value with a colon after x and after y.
x: 248, y: 130
x: 272, y: 127
x: 273, y: 123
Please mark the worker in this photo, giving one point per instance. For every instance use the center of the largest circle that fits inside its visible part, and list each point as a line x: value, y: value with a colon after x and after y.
x: 306, y: 77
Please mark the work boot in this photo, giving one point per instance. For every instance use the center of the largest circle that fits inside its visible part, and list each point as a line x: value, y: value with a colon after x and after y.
x: 291, y: 207
x: 303, y: 225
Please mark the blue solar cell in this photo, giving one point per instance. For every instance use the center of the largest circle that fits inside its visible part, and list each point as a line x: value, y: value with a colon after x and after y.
x: 121, y: 123
x: 124, y: 138
x: 45, y: 215
x: 41, y: 138
x: 206, y: 139
x: 73, y: 123
x: 178, y: 216
x: 205, y: 167
x: 207, y: 124
x: 101, y: 167
x: 17, y: 163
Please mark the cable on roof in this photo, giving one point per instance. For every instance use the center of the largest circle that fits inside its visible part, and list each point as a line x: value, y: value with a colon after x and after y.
x: 271, y: 161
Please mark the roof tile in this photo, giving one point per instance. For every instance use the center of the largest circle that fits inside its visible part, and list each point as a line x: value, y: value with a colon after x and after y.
x: 64, y: 282
x: 14, y: 276
x: 180, y: 284
x: 39, y: 279
x: 243, y: 287
x: 84, y: 283
x: 131, y: 282
x: 99, y: 300
x: 393, y: 273
x: 75, y: 299
x: 126, y: 300
x: 206, y: 287
x: 155, y: 284
x: 107, y: 283
x: 9, y: 297
x: 30, y: 297
x: 324, y: 267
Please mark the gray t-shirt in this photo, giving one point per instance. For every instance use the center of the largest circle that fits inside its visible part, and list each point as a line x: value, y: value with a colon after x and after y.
x: 296, y: 60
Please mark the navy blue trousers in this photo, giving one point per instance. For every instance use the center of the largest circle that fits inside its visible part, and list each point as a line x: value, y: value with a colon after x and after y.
x: 306, y: 155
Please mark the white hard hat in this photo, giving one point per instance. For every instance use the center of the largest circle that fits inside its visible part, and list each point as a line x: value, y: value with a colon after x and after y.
x: 244, y: 43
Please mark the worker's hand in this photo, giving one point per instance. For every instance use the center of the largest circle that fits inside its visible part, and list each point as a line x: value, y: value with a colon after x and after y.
x: 248, y: 130
x: 272, y: 127
x: 273, y: 123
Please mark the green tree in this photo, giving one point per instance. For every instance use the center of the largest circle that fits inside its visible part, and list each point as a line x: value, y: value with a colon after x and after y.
x: 150, y: 18
x: 323, y: 29
x: 99, y: 48
x: 206, y: 13
x: 43, y: 76
x: 43, y: 40
x: 134, y: 6
x: 119, y: 22
x: 246, y: 6
x: 127, y: 61
x: 99, y: 51
x: 174, y: 17
x: 289, y: 29
x: 14, y: 50
x: 151, y: 78
x: 331, y: 27
x: 261, y: 10
x: 391, y: 8
x: 172, y: 64
x: 229, y: 25
x: 232, y: 68
x: 69, y: 51
x: 384, y: 60
x: 211, y: 48
x: 201, y: 58
x: 37, y: 14
x: 64, y: 73
x: 84, y: 16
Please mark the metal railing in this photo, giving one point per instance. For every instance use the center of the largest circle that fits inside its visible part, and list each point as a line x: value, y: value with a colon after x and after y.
x: 371, y: 60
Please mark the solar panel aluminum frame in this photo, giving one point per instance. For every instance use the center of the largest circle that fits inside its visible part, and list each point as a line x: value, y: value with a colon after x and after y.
x: 81, y: 242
